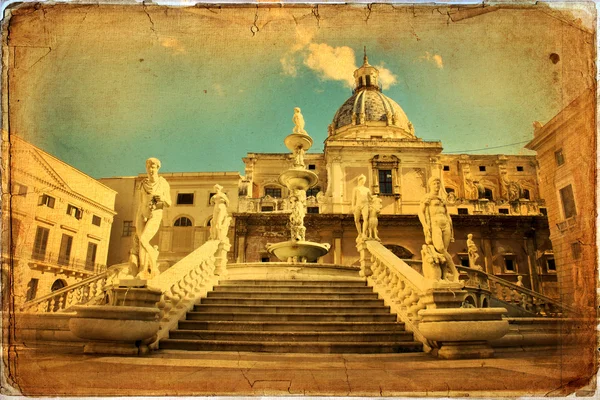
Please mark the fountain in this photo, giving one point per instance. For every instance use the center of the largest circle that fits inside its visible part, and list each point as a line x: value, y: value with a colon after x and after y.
x: 298, y: 179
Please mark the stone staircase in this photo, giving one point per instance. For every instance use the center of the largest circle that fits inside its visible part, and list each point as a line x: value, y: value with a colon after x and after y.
x: 292, y: 316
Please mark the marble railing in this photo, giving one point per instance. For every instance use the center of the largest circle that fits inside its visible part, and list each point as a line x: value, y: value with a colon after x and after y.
x: 508, y: 292
x: 396, y: 282
x: 270, y: 204
x: 183, y: 284
x: 88, y: 290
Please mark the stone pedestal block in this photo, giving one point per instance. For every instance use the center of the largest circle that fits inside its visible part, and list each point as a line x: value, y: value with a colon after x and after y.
x: 463, y: 332
x: 221, y: 259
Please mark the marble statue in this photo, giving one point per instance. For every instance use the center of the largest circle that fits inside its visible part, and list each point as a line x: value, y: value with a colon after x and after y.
x: 471, y: 191
x: 438, y: 230
x: 219, y: 224
x: 361, y: 199
x: 299, y: 157
x: 374, y: 210
x: 472, y: 251
x: 298, y: 120
x: 154, y: 197
x: 297, y: 200
x: 520, y: 281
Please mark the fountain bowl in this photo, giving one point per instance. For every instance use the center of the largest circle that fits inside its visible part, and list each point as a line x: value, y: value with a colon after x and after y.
x: 295, y: 140
x: 303, y: 250
x: 301, y: 179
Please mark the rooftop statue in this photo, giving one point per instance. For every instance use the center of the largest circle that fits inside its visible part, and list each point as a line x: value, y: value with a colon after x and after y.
x: 472, y: 250
x: 154, y: 197
x: 361, y: 199
x: 438, y: 230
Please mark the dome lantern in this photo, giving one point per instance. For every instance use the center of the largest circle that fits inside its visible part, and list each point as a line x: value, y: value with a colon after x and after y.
x: 367, y: 76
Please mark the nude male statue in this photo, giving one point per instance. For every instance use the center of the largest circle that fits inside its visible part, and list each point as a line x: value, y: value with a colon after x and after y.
x: 361, y: 199
x: 436, y: 222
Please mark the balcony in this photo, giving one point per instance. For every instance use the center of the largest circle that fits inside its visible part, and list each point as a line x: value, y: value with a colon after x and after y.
x: 60, y: 264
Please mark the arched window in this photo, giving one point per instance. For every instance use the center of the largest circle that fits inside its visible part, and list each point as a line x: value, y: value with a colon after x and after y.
x: 183, y: 221
x: 57, y: 285
x: 526, y: 194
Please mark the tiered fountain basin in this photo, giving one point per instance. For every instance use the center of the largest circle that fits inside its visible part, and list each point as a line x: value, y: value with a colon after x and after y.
x: 290, y: 271
x: 303, y: 250
x: 295, y: 140
x: 298, y: 179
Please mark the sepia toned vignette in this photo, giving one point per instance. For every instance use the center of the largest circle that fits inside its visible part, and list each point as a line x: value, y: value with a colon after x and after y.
x: 15, y: 26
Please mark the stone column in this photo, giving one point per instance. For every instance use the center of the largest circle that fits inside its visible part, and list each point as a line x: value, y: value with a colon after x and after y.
x: 532, y: 264
x: 487, y: 255
x: 241, y: 232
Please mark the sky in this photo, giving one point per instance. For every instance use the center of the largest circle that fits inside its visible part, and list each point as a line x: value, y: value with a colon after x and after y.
x: 104, y: 88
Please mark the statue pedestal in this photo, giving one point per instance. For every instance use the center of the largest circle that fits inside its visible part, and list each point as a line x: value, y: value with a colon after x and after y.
x: 221, y: 259
x: 365, y: 265
x: 463, y: 332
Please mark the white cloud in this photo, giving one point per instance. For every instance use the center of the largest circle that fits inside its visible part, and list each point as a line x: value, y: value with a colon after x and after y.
x: 333, y: 63
x: 386, y: 77
x: 434, y: 58
x: 328, y: 62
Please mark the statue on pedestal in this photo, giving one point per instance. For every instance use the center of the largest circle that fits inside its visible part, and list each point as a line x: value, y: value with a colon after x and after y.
x: 437, y: 227
x: 473, y: 255
x: 299, y: 157
x: 361, y: 199
x: 154, y: 197
x: 220, y: 221
x: 298, y: 120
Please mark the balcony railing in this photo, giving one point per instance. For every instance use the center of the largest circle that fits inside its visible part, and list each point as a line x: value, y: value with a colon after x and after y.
x: 49, y: 259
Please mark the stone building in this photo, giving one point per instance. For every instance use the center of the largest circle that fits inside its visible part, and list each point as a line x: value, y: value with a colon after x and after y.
x: 59, y: 225
x: 494, y: 197
x: 566, y: 153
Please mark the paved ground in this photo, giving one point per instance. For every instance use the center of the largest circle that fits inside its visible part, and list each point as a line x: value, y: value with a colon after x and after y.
x: 230, y: 373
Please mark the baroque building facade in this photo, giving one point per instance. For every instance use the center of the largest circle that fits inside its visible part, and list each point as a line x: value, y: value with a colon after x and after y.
x: 494, y: 197
x: 57, y: 223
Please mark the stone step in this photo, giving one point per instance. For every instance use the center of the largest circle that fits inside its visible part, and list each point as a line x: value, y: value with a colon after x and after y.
x: 359, y: 282
x: 292, y: 347
x: 288, y: 309
x: 294, y: 288
x: 286, y: 301
x: 291, y: 326
x: 276, y: 336
x: 315, y: 317
x: 250, y: 294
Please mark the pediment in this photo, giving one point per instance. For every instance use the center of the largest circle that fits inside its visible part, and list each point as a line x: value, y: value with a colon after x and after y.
x: 28, y: 160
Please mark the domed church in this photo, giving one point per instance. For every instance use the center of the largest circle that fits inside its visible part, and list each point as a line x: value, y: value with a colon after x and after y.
x: 493, y: 197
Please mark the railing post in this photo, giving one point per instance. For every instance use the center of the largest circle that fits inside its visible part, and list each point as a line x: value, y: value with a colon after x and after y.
x: 366, y: 259
x: 221, y: 259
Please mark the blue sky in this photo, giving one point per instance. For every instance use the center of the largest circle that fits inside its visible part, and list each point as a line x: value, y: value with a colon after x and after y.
x: 200, y: 88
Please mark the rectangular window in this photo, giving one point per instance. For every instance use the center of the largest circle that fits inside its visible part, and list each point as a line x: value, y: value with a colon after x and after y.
x: 312, y: 166
x: 32, y: 287
x: 510, y: 264
x: 210, y: 195
x: 128, y: 228
x: 568, y: 201
x: 519, y: 168
x: 96, y: 220
x: 559, y: 157
x: 550, y: 265
x: 266, y: 208
x: 39, y: 245
x: 544, y: 211
x: 482, y: 168
x: 273, y: 192
x: 464, y: 260
x: 503, y: 211
x: 463, y: 211
x: 488, y: 194
x: 19, y: 189
x: 66, y: 243
x: 185, y: 198
x: 576, y: 250
x: 90, y: 258
x: 313, y: 192
x: 312, y: 210
x: 46, y: 200
x: 446, y: 168
x: 74, y: 211
x: 385, y: 181
x: 264, y: 259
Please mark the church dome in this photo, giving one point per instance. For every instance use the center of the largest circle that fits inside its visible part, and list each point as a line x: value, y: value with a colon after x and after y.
x: 368, y: 107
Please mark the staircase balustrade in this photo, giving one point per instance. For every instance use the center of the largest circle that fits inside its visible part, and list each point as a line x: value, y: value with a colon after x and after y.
x: 523, y: 298
x: 184, y: 284
x: 86, y: 291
